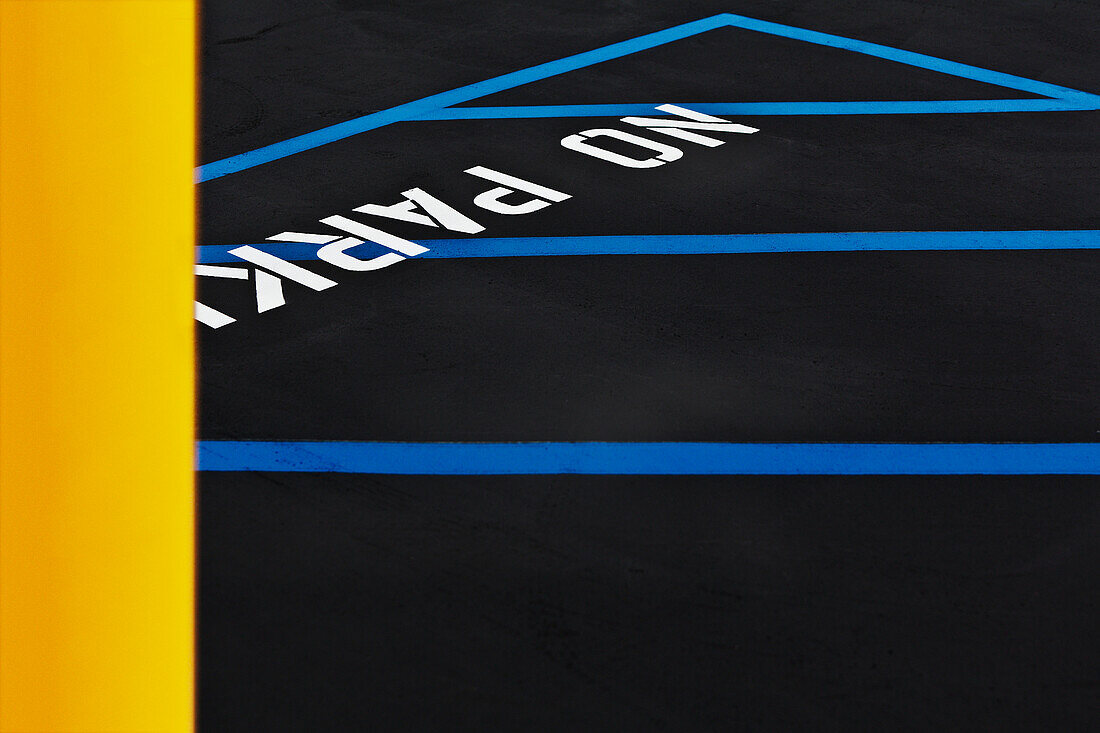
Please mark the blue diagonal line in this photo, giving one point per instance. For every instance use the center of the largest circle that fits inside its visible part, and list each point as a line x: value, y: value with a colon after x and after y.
x: 652, y: 458
x: 462, y: 94
x: 699, y: 244
x: 907, y: 57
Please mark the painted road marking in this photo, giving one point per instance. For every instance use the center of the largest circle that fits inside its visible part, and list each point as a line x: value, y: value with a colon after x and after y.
x: 652, y: 458
x: 703, y: 244
x: 1060, y: 98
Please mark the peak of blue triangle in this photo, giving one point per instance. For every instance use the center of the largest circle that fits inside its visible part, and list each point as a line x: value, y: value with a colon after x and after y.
x: 441, y: 106
x: 1051, y: 97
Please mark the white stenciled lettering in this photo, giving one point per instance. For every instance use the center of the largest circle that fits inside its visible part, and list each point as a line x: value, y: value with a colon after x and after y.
x: 421, y: 208
x: 371, y: 234
x: 336, y: 254
x: 695, y: 121
x: 581, y: 142
x: 491, y: 199
x: 433, y: 212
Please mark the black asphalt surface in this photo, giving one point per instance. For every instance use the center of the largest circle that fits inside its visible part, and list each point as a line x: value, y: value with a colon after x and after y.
x: 560, y: 603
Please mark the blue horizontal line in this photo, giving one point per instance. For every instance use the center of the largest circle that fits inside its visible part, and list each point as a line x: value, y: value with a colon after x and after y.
x: 965, y: 106
x: 653, y: 458
x: 697, y: 244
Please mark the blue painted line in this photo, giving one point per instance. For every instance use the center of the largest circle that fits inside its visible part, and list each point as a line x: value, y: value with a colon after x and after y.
x: 700, y: 244
x: 208, y: 254
x: 908, y: 57
x: 455, y: 96
x: 427, y: 106
x: 764, y: 109
x: 653, y: 458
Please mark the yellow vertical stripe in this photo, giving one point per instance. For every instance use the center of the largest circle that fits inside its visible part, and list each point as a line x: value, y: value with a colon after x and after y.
x: 96, y: 230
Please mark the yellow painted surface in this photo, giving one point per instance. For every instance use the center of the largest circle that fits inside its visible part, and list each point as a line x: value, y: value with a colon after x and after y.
x: 96, y: 363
